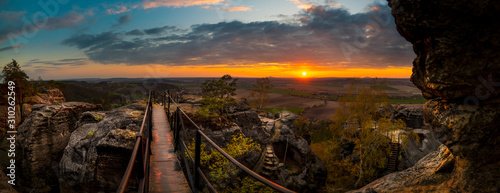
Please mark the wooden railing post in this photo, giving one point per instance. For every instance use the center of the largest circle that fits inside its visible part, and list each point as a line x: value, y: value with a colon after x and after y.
x: 197, y: 152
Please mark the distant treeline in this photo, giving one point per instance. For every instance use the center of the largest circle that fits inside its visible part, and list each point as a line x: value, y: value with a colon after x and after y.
x: 110, y: 94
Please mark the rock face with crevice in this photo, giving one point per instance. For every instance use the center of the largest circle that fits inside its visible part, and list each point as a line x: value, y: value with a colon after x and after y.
x: 99, y: 150
x: 43, y: 136
x: 457, y: 68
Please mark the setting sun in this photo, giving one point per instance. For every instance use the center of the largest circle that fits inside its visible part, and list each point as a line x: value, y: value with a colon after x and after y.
x: 304, y: 73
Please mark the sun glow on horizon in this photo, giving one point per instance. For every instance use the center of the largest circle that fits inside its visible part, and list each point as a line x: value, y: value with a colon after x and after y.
x: 304, y: 73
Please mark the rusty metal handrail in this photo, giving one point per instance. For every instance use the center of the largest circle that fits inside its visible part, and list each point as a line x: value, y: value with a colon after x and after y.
x: 178, y: 124
x: 142, y: 147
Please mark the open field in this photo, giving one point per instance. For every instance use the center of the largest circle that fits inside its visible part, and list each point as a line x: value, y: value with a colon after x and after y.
x: 314, y: 98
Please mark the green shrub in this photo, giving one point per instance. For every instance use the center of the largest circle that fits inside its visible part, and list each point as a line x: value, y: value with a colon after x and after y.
x: 97, y: 117
x: 222, y: 173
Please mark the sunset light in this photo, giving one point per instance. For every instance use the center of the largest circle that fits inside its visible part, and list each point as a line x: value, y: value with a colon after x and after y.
x: 219, y: 37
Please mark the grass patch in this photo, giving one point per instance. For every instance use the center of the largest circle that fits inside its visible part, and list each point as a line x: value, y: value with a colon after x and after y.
x: 416, y: 101
x: 297, y: 111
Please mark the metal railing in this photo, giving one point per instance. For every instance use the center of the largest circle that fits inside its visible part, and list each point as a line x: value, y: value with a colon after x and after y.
x: 142, y: 148
x: 194, y: 177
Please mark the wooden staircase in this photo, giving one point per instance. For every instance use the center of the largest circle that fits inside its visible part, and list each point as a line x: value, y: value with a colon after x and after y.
x: 270, y: 163
x: 392, y: 165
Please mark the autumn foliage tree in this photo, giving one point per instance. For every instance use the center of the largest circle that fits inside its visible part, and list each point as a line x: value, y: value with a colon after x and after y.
x: 259, y: 93
x: 356, y: 117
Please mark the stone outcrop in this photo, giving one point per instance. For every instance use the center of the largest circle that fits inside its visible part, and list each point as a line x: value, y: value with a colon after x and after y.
x: 411, y: 114
x: 299, y: 168
x: 47, y: 96
x: 427, y: 175
x: 100, y: 148
x: 457, y: 68
x: 43, y: 136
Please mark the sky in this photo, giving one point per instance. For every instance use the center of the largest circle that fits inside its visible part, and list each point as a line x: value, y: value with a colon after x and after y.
x: 66, y: 39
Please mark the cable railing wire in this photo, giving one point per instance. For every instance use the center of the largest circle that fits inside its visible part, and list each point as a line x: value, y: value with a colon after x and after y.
x: 179, y: 123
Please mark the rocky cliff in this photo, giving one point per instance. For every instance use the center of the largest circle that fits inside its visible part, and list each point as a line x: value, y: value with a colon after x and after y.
x: 99, y: 149
x: 43, y: 136
x: 457, y: 68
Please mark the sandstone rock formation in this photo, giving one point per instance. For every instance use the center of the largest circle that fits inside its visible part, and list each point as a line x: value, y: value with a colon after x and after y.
x: 299, y: 168
x: 49, y: 96
x: 43, y: 136
x: 425, y: 176
x: 100, y: 148
x: 457, y: 68
x: 294, y: 165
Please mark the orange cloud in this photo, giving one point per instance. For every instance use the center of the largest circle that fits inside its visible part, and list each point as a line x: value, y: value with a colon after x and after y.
x: 236, y: 9
x: 178, y: 3
x: 117, y: 10
x: 301, y: 4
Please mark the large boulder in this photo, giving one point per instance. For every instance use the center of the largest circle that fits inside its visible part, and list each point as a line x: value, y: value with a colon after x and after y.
x: 457, y: 68
x: 411, y: 114
x: 100, y: 148
x: 43, y: 136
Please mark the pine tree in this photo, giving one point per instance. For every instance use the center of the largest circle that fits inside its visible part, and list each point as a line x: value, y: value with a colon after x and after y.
x: 12, y: 72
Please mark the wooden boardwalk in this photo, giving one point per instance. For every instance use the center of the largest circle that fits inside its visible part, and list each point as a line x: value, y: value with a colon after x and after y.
x: 165, y: 176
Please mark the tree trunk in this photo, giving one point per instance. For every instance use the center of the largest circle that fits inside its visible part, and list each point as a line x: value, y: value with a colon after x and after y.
x: 360, y: 179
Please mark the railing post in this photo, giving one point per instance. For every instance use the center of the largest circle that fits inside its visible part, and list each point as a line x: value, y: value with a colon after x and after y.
x: 197, y: 161
x: 168, y: 109
x: 177, y: 128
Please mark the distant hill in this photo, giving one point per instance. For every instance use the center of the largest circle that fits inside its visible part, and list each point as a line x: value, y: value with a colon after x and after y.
x: 110, y: 93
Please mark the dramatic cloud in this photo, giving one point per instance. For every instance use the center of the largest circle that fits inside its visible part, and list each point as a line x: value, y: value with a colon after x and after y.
x: 322, y: 36
x: 178, y: 3
x: 86, y: 41
x: 69, y: 62
x: 123, y: 20
x: 10, y: 48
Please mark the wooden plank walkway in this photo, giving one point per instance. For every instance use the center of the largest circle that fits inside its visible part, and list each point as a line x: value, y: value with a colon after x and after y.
x: 164, y: 175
